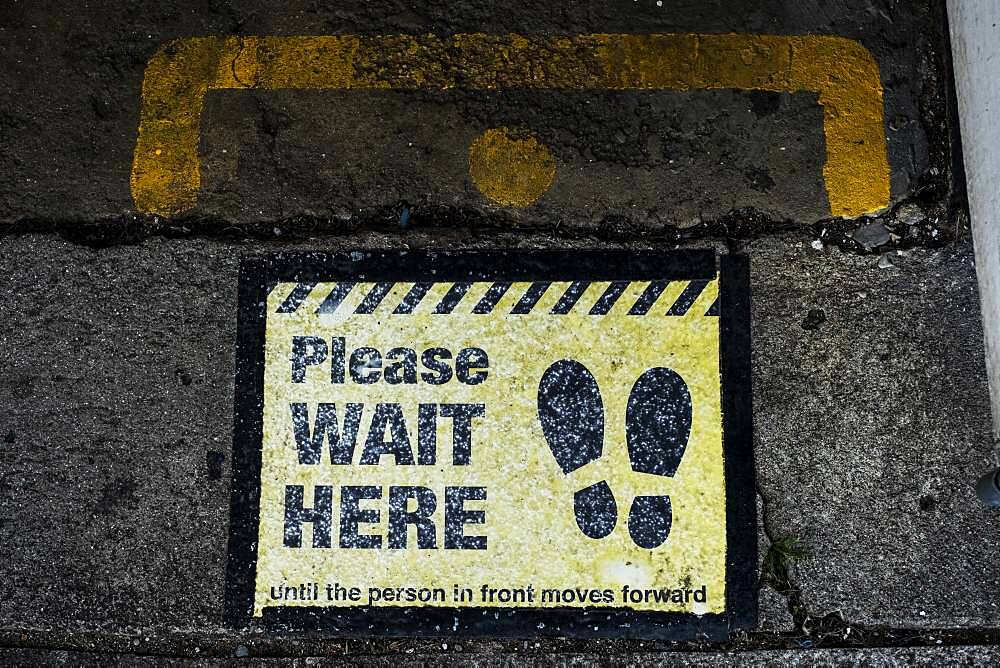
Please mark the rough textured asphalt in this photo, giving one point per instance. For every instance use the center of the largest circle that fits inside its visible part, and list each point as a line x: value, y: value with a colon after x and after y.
x: 657, y: 159
x: 877, y: 658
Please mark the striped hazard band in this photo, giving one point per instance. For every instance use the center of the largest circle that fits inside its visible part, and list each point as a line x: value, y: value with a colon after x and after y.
x: 597, y: 298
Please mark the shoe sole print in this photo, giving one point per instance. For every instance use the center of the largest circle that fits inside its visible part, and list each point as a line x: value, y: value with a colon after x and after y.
x: 657, y: 428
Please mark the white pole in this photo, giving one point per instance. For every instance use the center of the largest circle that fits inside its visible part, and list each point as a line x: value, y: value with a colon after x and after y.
x: 975, y: 47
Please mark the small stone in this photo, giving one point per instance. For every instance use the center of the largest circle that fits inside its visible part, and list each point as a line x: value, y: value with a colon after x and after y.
x: 242, y: 651
x: 817, y: 244
x: 814, y: 319
x: 910, y: 214
x: 871, y: 235
x: 885, y: 261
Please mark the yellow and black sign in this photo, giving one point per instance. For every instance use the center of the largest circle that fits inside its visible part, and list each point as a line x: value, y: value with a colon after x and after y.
x: 545, y: 443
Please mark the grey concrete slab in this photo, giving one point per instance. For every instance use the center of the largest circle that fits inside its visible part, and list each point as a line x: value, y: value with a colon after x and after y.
x: 773, y: 613
x: 659, y: 159
x: 872, y: 424
x: 117, y: 369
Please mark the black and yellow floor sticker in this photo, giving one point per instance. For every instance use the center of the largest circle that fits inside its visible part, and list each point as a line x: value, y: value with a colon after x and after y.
x: 509, y: 443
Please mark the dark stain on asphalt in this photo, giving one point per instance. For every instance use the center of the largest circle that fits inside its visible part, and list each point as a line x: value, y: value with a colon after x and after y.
x: 115, y: 493
x: 764, y: 103
x: 214, y: 461
x: 814, y: 319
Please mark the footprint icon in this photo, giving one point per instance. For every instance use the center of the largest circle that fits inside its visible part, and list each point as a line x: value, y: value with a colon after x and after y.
x: 657, y: 428
x: 571, y: 412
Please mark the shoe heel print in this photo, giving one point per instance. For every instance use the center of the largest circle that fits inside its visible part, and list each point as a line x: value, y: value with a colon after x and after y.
x: 657, y: 429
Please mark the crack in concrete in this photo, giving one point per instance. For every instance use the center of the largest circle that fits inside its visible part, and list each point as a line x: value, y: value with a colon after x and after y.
x: 240, y: 46
x: 781, y: 581
x: 832, y: 630
x: 736, y: 226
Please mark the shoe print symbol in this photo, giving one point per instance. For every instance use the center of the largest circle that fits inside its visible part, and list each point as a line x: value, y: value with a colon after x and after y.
x: 657, y: 428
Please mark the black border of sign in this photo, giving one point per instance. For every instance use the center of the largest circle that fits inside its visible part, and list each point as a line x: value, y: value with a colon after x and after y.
x: 258, y: 276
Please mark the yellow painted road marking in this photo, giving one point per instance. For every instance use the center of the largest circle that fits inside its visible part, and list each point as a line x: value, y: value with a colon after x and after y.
x: 166, y: 173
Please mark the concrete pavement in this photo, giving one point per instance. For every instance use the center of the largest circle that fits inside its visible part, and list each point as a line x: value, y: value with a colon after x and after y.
x: 116, y: 351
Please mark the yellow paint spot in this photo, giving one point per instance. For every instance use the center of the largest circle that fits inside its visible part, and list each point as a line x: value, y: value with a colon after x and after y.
x: 842, y: 72
x: 510, y: 169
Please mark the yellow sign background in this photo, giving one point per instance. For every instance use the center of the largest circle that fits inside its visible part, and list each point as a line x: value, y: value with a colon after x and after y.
x: 530, y: 524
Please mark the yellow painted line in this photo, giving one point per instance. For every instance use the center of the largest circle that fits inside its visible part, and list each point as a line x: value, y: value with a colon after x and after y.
x: 551, y: 296
x: 511, y: 297
x: 166, y: 173
x: 705, y: 299
x: 589, y: 298
x: 628, y: 298
x: 352, y: 300
x: 392, y: 299
x: 432, y: 298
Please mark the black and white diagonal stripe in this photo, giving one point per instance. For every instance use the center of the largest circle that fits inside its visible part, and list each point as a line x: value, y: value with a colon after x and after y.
x: 524, y: 301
